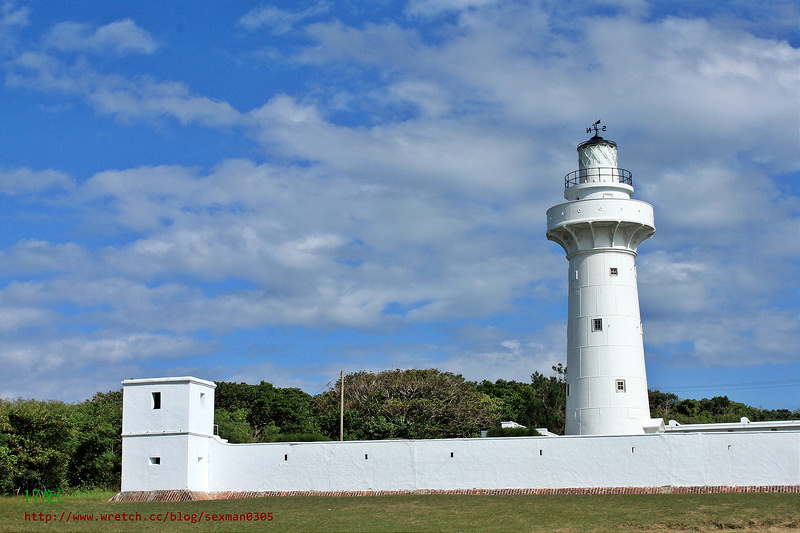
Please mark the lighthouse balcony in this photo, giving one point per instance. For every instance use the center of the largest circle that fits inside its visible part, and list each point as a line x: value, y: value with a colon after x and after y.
x: 589, y: 225
x: 598, y: 175
x: 598, y: 182
x: 600, y: 210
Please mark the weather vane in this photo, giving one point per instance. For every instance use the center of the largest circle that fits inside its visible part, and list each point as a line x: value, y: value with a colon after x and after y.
x: 596, y: 127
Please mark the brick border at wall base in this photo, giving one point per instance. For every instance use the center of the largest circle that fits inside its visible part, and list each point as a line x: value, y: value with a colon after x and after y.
x: 189, y: 495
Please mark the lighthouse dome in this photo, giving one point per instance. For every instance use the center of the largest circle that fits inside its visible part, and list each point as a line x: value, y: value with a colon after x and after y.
x: 597, y: 152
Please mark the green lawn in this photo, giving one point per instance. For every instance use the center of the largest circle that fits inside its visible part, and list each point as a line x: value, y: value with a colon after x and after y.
x: 653, y: 512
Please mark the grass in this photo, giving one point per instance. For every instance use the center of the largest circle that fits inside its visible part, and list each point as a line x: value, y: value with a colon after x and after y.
x: 661, y: 512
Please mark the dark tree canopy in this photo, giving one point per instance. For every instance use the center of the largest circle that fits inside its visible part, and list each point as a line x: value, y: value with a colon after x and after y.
x: 267, y: 410
x: 540, y: 403
x: 50, y: 445
x: 406, y: 404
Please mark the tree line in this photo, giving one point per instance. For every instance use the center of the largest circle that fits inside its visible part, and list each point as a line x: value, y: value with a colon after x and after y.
x: 51, y: 445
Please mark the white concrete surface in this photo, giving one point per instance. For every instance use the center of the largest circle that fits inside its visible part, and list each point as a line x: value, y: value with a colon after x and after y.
x: 165, y: 441
x: 734, y: 459
x: 600, y: 229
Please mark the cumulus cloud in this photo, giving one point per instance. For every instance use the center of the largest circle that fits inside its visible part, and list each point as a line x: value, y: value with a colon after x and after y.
x: 141, y: 98
x: 459, y: 153
x: 121, y: 38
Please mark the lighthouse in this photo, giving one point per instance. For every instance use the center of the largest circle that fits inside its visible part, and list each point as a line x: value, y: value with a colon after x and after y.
x: 600, y: 228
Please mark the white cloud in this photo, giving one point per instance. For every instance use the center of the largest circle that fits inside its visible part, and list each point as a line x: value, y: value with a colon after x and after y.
x: 36, y: 258
x: 279, y: 20
x: 434, y: 7
x: 11, y: 15
x: 519, y: 65
x: 21, y: 181
x: 455, y: 153
x: 71, y: 368
x: 121, y: 38
x: 511, y: 359
x: 142, y: 98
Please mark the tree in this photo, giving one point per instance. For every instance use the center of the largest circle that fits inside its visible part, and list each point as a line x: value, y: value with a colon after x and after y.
x: 268, y: 410
x: 233, y: 426
x: 409, y: 404
x: 511, y: 400
x: 541, y: 403
x: 286, y: 410
x: 40, y: 437
x: 549, y: 404
x: 662, y: 404
x: 232, y: 396
x: 97, y: 459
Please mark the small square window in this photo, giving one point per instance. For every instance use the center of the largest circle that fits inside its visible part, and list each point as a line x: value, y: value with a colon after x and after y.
x: 620, y: 385
x: 613, y: 271
x: 155, y: 460
x: 156, y: 400
x: 597, y: 324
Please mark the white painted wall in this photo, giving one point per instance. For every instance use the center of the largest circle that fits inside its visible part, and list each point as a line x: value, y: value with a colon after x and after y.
x: 203, y: 462
x: 177, y: 433
x: 187, y: 404
x: 734, y: 459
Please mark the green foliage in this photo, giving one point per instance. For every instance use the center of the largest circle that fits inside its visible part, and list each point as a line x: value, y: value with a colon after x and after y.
x: 512, y: 432
x: 233, y: 425
x: 269, y: 410
x: 550, y: 400
x: 97, y: 459
x: 38, y: 439
x: 541, y: 403
x: 511, y: 400
x: 406, y: 404
x: 662, y: 404
x: 299, y: 437
x: 714, y: 410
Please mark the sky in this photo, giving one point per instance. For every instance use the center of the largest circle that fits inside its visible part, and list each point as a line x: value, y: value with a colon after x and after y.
x: 245, y: 191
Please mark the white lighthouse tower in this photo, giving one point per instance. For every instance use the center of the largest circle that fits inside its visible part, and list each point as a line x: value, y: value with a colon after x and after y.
x: 600, y: 227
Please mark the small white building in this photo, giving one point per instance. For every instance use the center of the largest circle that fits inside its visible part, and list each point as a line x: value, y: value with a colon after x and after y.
x: 167, y: 425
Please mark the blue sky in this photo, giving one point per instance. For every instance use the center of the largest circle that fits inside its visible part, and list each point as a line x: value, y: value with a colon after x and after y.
x: 279, y: 191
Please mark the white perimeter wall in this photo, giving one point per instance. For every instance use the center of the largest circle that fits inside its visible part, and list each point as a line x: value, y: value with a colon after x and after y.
x: 700, y: 459
x: 190, y: 457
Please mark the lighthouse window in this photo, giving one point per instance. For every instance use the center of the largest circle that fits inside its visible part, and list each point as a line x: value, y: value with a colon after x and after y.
x: 612, y: 271
x: 567, y: 389
x: 597, y: 324
x: 620, y: 385
x: 156, y: 400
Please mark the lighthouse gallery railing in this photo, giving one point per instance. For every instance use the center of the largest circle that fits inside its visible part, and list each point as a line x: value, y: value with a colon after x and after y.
x: 598, y: 175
